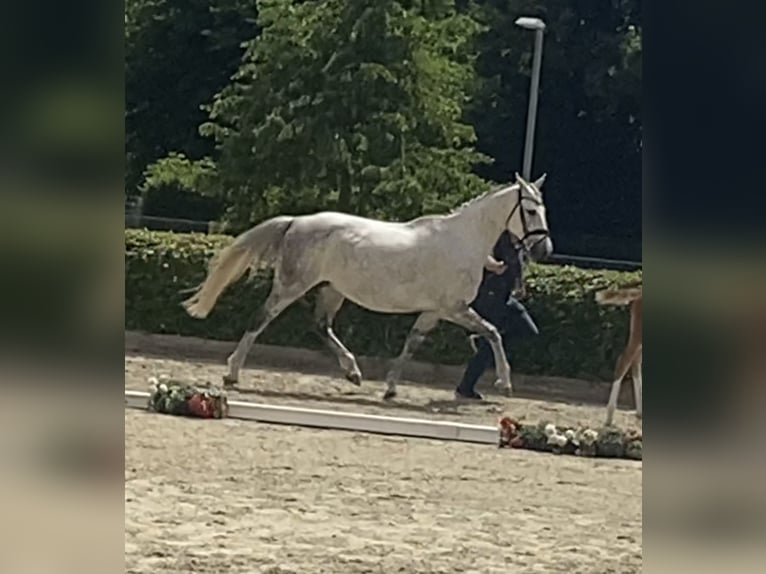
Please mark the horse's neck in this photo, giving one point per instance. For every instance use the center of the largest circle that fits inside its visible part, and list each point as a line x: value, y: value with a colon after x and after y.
x: 486, y: 219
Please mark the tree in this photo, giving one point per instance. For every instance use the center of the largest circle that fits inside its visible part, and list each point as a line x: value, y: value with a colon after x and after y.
x: 178, y: 55
x: 172, y: 186
x: 356, y: 106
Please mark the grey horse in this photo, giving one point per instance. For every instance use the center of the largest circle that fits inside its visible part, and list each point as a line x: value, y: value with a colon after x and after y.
x: 431, y: 265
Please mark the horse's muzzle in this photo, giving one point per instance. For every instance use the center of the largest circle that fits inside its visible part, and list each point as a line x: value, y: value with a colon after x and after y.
x: 542, y: 249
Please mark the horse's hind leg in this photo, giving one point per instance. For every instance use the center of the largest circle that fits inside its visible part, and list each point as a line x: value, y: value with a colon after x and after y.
x: 329, y: 302
x: 638, y: 390
x: 624, y: 363
x: 423, y: 325
x: 280, y: 297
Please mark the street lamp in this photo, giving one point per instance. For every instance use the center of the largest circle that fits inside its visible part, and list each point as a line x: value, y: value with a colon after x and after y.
x: 538, y: 26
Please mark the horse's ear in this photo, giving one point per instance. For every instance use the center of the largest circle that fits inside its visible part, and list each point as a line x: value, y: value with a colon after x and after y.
x: 519, y: 179
x: 539, y: 183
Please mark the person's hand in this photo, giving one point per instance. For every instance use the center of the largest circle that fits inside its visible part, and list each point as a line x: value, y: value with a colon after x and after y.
x: 497, y: 267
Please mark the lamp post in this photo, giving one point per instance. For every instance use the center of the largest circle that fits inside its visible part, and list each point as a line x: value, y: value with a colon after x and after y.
x: 538, y: 26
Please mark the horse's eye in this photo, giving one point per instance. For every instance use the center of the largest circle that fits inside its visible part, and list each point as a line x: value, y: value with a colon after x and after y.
x: 531, y: 211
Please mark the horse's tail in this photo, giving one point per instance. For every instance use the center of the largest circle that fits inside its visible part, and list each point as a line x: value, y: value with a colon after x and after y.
x: 255, y: 248
x: 618, y: 296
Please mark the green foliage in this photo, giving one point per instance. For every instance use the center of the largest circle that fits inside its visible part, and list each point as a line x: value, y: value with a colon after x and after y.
x: 355, y: 106
x: 175, y: 186
x: 178, y: 55
x: 634, y: 448
x: 611, y: 443
x: 533, y: 437
x: 578, y: 338
x: 178, y: 171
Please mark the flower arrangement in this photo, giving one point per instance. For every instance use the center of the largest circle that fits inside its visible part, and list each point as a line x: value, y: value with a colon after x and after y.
x: 547, y: 437
x: 177, y: 398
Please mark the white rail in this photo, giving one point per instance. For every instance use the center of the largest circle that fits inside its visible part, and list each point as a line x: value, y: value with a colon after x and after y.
x: 278, y: 414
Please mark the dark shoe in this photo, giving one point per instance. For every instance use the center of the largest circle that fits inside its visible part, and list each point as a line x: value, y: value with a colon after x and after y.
x: 469, y: 395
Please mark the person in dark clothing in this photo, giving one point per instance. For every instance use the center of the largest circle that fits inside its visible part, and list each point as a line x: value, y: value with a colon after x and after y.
x: 495, y: 302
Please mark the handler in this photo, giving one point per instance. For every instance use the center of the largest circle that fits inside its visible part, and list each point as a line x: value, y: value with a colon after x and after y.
x: 495, y: 302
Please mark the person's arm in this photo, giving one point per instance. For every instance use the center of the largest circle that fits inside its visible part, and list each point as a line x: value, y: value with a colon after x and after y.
x: 517, y: 269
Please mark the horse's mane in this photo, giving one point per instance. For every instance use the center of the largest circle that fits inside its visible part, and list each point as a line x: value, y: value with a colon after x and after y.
x: 478, y: 198
x: 462, y: 206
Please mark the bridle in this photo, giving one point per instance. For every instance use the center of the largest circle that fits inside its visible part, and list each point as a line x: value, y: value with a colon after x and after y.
x: 541, y: 234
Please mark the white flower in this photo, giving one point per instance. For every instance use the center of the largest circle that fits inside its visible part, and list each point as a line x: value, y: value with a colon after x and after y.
x: 163, y: 387
x: 153, y: 383
x: 550, y: 430
x: 164, y: 378
x: 570, y: 434
x: 558, y: 440
x: 589, y: 436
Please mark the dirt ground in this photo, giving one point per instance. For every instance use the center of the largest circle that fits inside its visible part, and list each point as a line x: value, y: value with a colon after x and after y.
x: 240, y: 497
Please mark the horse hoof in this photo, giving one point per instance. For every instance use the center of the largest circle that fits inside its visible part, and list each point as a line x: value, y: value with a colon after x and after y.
x: 229, y: 381
x: 355, y: 378
x: 389, y: 394
x: 506, y: 389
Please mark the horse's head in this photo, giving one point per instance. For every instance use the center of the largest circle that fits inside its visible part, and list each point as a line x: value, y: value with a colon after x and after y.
x: 527, y: 220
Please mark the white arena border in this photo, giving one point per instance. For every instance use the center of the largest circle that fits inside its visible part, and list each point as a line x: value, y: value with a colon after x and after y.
x: 278, y: 414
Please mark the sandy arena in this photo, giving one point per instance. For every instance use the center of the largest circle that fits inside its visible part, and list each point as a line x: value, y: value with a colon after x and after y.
x: 241, y: 497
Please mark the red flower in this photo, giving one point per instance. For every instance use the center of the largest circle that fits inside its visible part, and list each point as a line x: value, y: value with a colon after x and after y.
x: 507, y: 423
x: 201, y: 406
x: 509, y: 431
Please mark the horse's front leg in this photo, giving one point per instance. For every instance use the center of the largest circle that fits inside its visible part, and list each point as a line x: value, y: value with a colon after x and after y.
x: 423, y: 325
x: 471, y: 320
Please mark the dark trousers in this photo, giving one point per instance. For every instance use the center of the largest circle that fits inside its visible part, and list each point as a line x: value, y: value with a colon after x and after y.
x: 513, y: 322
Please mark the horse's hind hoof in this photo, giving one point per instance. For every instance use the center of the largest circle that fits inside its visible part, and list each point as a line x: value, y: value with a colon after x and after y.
x: 389, y: 394
x: 354, y: 378
x: 229, y: 381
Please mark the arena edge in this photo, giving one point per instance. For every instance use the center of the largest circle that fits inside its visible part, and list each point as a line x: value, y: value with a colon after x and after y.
x: 578, y: 338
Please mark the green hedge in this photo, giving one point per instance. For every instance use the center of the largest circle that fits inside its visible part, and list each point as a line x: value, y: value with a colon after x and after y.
x: 578, y: 338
